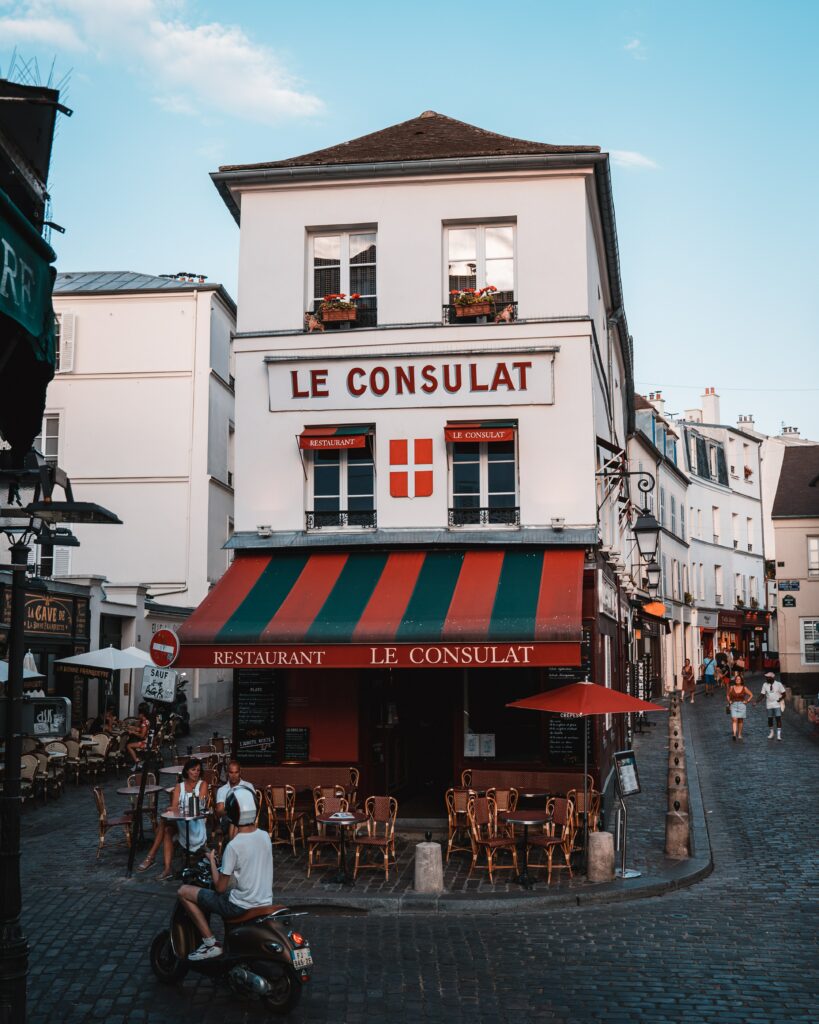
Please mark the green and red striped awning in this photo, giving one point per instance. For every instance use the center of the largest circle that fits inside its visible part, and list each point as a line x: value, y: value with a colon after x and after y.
x: 390, y: 608
x: 347, y: 435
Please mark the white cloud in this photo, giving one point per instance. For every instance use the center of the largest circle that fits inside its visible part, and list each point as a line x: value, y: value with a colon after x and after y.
x: 191, y: 68
x: 636, y: 49
x: 629, y: 158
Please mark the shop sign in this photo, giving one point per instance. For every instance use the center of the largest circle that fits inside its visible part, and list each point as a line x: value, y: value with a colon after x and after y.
x: 42, y: 717
x: 789, y: 601
x: 477, y: 655
x: 788, y: 584
x: 45, y: 613
x: 608, y: 596
x: 742, y: 620
x: 159, y: 684
x: 81, y: 625
x: 408, y: 382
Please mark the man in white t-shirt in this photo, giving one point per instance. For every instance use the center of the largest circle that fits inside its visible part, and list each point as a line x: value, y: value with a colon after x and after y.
x: 235, y: 781
x: 773, y: 692
x: 243, y: 881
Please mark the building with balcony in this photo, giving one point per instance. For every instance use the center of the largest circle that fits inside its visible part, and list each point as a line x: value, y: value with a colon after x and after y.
x: 433, y: 392
x: 726, y: 561
x: 795, y: 516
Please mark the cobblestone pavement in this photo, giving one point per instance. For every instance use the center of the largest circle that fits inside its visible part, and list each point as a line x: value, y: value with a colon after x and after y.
x: 737, y: 947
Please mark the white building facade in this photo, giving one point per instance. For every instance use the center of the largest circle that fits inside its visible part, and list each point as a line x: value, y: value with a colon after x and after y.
x: 140, y: 416
x: 416, y: 441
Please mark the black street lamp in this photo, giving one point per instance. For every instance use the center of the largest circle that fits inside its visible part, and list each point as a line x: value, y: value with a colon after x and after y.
x: 653, y: 576
x: 647, y: 534
x: 26, y: 507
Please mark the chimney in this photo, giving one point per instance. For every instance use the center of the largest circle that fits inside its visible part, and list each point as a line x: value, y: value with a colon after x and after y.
x: 745, y: 422
x: 693, y: 415
x: 790, y: 432
x: 657, y: 400
x: 710, y: 406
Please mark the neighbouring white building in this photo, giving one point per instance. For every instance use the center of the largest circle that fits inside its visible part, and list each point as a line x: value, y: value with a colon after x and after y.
x: 429, y: 520
x: 655, y: 446
x: 727, y: 560
x: 140, y: 416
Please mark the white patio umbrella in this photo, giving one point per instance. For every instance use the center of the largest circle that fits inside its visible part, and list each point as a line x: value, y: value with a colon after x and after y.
x: 110, y: 658
x: 27, y: 673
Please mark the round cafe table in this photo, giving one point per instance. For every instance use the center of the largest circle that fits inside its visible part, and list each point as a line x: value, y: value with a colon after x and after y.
x: 173, y: 769
x: 342, y: 821
x: 134, y: 790
x: 526, y: 818
x: 178, y: 816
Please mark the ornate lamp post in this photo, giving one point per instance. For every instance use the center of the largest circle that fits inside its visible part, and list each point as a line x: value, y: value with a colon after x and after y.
x: 26, y: 509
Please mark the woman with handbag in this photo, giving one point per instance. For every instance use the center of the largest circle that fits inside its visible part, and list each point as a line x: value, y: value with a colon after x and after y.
x: 689, y: 682
x: 737, y: 698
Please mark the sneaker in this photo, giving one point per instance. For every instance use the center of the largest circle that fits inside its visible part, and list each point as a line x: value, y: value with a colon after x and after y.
x: 770, y: 735
x: 206, y: 952
x: 779, y: 738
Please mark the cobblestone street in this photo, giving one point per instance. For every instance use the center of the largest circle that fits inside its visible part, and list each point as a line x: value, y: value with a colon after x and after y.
x: 739, y: 946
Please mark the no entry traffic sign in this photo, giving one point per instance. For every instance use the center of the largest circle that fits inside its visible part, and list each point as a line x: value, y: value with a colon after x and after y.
x: 164, y: 648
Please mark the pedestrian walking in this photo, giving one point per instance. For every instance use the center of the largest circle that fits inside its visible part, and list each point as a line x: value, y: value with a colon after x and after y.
x: 773, y: 693
x: 689, y: 681
x: 737, y: 698
x: 708, y: 670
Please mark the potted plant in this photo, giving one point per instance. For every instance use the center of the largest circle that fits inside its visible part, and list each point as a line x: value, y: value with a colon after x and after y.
x: 754, y: 602
x: 740, y: 603
x: 688, y: 598
x: 469, y: 302
x: 748, y: 472
x: 337, y: 306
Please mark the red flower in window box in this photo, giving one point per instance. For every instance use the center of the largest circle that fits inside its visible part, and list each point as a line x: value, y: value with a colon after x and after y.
x: 336, y: 306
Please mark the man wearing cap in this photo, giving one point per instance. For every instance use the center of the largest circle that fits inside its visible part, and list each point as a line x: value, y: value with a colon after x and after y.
x: 244, y: 879
x: 774, y: 692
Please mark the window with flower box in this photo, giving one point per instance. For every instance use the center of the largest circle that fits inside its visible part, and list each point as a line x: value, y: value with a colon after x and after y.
x: 480, y: 265
x: 342, y: 273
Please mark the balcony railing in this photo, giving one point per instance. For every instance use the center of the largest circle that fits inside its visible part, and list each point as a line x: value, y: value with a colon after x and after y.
x: 366, y: 315
x: 485, y: 516
x: 500, y: 311
x: 339, y: 520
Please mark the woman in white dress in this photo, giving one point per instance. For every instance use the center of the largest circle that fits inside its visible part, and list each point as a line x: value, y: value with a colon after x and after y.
x: 193, y: 832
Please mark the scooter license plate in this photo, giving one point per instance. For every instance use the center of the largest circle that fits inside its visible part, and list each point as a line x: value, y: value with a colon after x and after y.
x: 302, y: 957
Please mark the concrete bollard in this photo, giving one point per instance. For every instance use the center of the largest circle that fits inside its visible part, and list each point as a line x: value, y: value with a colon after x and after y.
x: 677, y: 835
x: 429, y: 871
x: 600, y: 866
x: 678, y: 799
x: 676, y: 762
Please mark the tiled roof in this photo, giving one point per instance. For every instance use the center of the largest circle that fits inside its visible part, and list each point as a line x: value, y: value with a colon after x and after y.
x: 640, y: 402
x: 121, y: 281
x: 430, y: 136
x: 794, y: 495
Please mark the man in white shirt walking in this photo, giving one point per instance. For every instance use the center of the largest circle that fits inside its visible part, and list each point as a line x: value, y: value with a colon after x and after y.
x: 773, y: 692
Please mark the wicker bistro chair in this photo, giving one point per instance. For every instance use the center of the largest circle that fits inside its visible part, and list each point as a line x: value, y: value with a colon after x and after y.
x: 284, y: 821
x: 116, y: 753
x: 58, y: 764
x: 576, y: 796
x: 28, y: 772
x: 558, y: 834
x: 352, y: 795
x: 149, y: 805
x: 336, y: 791
x: 326, y: 835
x: 73, y: 763
x: 28, y: 745
x: 458, y: 832
x: 96, y: 757
x: 484, y: 834
x: 381, y: 813
x: 124, y: 821
x: 466, y: 777
x: 506, y: 800
x: 44, y: 780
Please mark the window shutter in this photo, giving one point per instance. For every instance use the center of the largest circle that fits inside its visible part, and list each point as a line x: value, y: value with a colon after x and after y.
x: 32, y: 557
x: 62, y: 561
x: 722, y: 467
x: 702, y: 459
x: 67, y: 334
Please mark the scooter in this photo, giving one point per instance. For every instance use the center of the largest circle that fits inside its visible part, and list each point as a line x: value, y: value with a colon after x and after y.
x: 263, y: 955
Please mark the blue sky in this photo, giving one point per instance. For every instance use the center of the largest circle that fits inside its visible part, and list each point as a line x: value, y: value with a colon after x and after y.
x: 709, y: 110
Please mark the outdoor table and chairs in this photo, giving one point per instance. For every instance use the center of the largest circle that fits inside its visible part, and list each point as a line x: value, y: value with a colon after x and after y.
x: 458, y: 829
x: 177, y: 816
x: 559, y: 836
x: 326, y: 835
x: 528, y: 819
x: 486, y: 839
x: 380, y: 815
x: 132, y: 791
x: 342, y: 820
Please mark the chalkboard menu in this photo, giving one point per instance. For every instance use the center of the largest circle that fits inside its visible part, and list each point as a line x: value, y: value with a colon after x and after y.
x: 257, y: 707
x: 565, y: 741
x: 297, y: 744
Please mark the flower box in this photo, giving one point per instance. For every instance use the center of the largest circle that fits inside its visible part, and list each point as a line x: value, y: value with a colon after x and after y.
x: 473, y: 309
x: 335, y: 315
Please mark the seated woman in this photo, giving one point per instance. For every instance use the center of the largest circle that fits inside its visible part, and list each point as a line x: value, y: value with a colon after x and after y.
x: 194, y: 831
x: 137, y: 734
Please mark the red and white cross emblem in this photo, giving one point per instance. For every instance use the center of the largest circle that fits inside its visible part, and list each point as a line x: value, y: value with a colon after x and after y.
x: 414, y: 480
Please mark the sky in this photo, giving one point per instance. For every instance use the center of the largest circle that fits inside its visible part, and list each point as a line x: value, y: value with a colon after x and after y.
x: 708, y: 110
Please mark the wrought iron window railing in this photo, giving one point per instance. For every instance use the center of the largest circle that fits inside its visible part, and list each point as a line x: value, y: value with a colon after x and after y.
x: 366, y: 315
x: 501, y: 310
x: 337, y: 520
x: 509, y: 516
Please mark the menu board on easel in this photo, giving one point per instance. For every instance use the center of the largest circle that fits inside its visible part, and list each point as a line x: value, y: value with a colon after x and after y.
x: 257, y: 717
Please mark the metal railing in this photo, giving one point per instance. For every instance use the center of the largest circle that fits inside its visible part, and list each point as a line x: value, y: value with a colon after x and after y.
x: 501, y: 311
x: 509, y: 516
x: 366, y: 316
x: 338, y: 520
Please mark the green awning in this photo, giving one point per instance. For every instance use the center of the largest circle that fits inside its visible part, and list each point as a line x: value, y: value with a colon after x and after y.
x: 26, y: 279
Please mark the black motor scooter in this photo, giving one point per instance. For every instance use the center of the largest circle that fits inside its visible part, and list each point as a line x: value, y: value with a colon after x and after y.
x: 263, y: 955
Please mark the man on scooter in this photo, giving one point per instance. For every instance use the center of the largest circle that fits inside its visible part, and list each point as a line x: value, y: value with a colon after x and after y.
x: 244, y: 880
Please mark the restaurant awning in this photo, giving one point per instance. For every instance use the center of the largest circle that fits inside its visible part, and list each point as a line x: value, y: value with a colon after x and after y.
x: 347, y: 435
x: 408, y: 608
x: 488, y: 431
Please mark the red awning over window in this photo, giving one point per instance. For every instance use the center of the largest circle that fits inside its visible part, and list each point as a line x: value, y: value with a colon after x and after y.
x: 347, y: 435
x: 474, y: 432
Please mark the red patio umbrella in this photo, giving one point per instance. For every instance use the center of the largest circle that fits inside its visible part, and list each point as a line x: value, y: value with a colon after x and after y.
x: 585, y: 699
